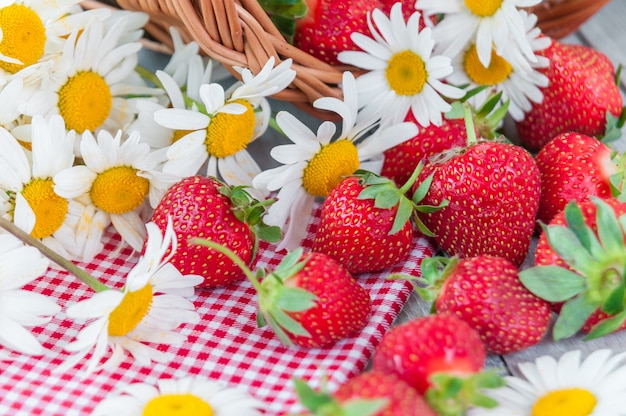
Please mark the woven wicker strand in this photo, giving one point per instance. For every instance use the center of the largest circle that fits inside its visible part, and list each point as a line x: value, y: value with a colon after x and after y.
x: 239, y: 33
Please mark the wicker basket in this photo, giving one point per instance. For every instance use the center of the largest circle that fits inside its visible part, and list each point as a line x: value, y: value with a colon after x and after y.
x: 239, y: 33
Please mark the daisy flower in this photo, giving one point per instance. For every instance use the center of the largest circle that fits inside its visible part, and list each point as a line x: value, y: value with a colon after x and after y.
x: 87, y: 85
x: 222, y: 132
x: 32, y: 204
x: 519, y: 82
x: 402, y: 75
x: 20, y: 265
x: 117, y: 177
x: 185, y: 396
x: 488, y: 24
x: 149, y: 308
x: 316, y: 163
x: 594, y: 386
x: 30, y: 29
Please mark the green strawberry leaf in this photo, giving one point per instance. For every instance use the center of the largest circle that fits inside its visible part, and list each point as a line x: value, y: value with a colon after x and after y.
x: 432, y: 208
x: 615, y: 301
x: 289, y: 265
x: 422, y: 189
x: 270, y: 234
x: 607, y: 326
x: 451, y: 395
x: 585, y: 235
x: 284, y: 14
x: 488, y: 106
x: 387, y: 198
x: 609, y: 230
x: 564, y: 243
x: 363, y: 407
x: 295, y: 299
x: 553, y: 283
x: 310, y: 398
x: 287, y: 323
x: 403, y: 214
x: 422, y: 227
x: 572, y: 317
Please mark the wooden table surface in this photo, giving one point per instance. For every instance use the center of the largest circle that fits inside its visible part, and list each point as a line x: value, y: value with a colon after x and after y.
x: 605, y: 32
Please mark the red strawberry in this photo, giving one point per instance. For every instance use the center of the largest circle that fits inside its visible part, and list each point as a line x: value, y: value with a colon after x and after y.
x: 309, y: 300
x: 372, y: 393
x: 401, y: 160
x: 486, y: 292
x: 326, y: 29
x: 579, y: 267
x: 365, y: 222
x: 573, y: 166
x: 430, y: 351
x: 408, y: 8
x: 493, y: 190
x: 206, y: 208
x: 581, y: 92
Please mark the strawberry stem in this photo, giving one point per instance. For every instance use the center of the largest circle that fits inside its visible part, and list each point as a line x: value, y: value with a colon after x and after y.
x: 81, y: 274
x: 469, y: 125
x: 233, y: 257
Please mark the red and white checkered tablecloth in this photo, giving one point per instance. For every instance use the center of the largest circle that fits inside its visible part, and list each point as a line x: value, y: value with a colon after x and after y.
x: 225, y: 345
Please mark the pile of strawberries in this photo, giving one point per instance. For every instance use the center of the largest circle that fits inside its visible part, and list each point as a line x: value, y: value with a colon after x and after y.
x: 482, y: 201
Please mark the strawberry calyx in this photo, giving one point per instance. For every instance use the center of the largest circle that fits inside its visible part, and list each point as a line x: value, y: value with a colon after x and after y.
x: 617, y: 180
x: 595, y: 276
x: 285, y: 14
x: 452, y: 395
x: 250, y: 211
x: 486, y: 119
x: 322, y: 403
x: 434, y: 273
x: 613, y: 125
x: 276, y: 299
x: 387, y: 195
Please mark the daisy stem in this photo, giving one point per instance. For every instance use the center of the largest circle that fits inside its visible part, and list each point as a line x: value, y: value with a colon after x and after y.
x: 273, y: 124
x: 232, y: 256
x: 81, y: 274
x: 148, y: 76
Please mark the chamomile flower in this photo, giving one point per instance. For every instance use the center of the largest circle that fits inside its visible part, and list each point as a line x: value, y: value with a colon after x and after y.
x: 117, y: 177
x: 316, y: 163
x: 222, y: 132
x: 402, y: 74
x: 148, y: 309
x: 189, y: 396
x: 521, y: 84
x: 33, y: 205
x: 87, y: 85
x: 487, y: 24
x: 29, y: 29
x: 20, y: 265
x: 568, y: 386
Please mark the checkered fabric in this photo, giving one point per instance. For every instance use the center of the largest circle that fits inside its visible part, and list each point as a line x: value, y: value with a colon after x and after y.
x: 225, y: 345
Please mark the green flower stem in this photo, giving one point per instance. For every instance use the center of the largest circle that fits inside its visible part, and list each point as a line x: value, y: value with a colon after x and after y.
x: 81, y: 274
x: 232, y: 256
x: 148, y: 76
x: 273, y: 124
x: 469, y: 125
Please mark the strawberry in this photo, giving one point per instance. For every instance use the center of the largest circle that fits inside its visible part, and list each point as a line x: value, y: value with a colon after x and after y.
x: 581, y: 94
x: 434, y: 353
x: 579, y: 267
x: 486, y: 292
x: 365, y: 222
x: 574, y: 166
x: 408, y: 8
x: 371, y: 393
x: 401, y: 160
x: 309, y: 300
x: 206, y: 208
x: 325, y: 30
x: 493, y: 189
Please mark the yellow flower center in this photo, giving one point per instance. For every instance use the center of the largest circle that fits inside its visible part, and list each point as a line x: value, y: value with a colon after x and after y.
x: 119, y: 190
x: 49, y: 208
x: 565, y: 402
x: 329, y: 166
x: 499, y: 68
x: 127, y: 315
x: 227, y: 134
x: 177, y: 405
x: 85, y: 101
x: 483, y: 8
x: 23, y: 36
x: 406, y: 73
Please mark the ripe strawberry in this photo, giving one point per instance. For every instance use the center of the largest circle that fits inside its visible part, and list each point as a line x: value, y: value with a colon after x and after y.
x: 372, y: 393
x: 408, y: 8
x: 206, y: 208
x: 401, y: 160
x: 573, y: 166
x: 579, y: 267
x: 365, y: 222
x: 309, y: 300
x: 581, y: 92
x: 326, y: 29
x: 434, y: 353
x: 493, y: 190
x: 486, y: 292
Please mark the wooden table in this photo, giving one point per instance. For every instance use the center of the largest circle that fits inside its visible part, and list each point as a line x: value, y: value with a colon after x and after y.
x: 605, y: 32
